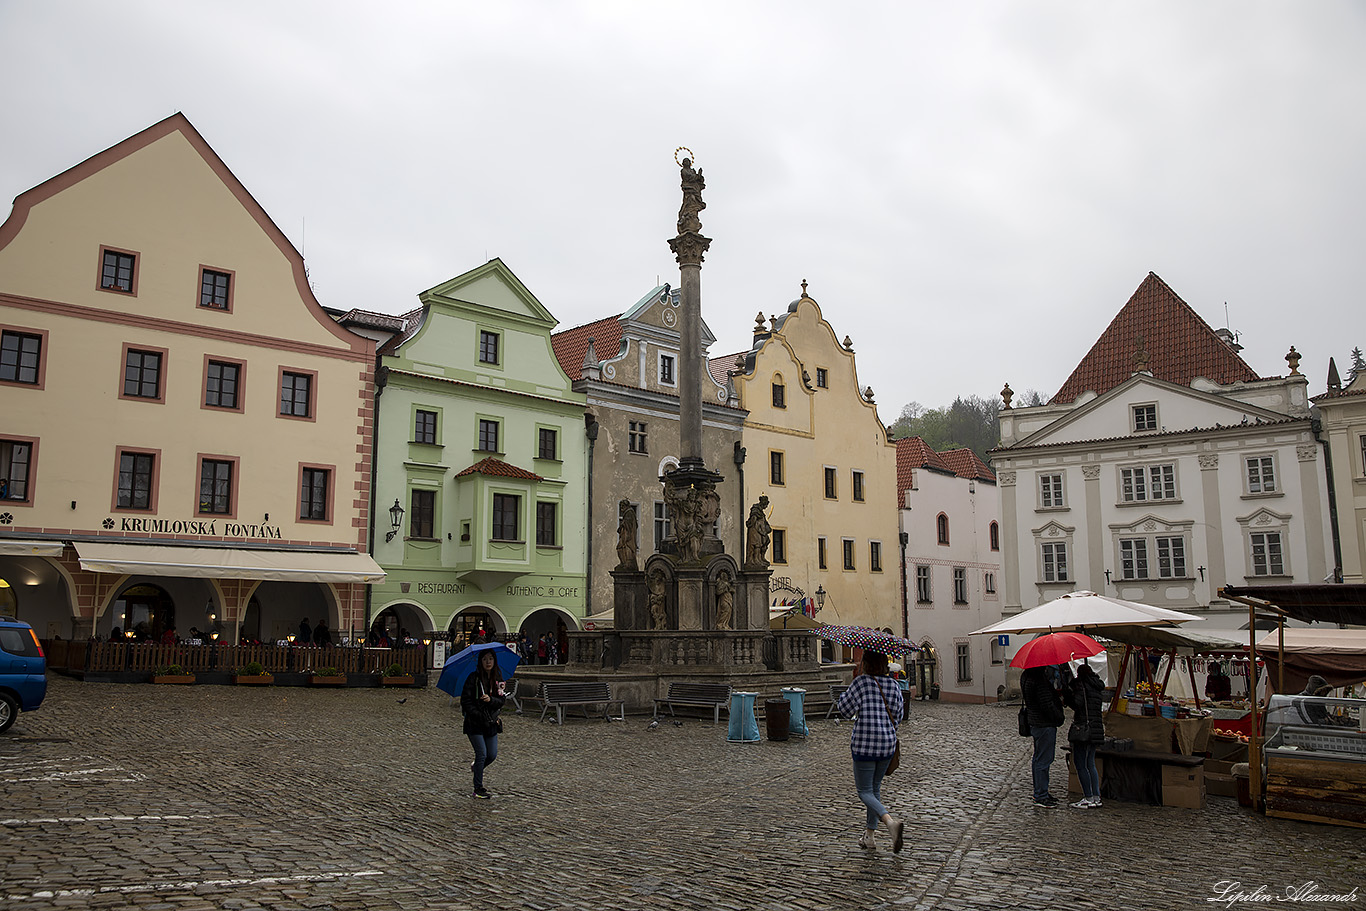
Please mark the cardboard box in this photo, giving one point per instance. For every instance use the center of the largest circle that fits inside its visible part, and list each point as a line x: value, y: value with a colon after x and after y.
x: 1183, y: 786
x: 1220, y: 784
x: 1218, y: 767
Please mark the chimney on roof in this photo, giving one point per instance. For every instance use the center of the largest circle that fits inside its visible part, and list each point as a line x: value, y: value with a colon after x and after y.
x: 592, y: 367
x: 1230, y: 338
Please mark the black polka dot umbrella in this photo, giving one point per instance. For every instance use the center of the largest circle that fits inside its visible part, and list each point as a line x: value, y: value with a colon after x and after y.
x: 872, y: 640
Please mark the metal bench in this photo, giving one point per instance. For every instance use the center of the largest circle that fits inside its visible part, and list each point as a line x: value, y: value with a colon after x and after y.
x: 713, y: 695
x: 560, y: 695
x: 836, y: 691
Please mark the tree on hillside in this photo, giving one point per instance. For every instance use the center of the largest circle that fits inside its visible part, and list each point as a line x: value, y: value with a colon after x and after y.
x: 969, y: 422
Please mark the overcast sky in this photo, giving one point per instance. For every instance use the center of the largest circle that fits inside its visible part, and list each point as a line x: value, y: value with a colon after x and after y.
x: 973, y: 190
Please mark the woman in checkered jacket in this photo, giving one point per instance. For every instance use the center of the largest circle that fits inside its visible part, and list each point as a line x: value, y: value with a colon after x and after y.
x: 874, y: 701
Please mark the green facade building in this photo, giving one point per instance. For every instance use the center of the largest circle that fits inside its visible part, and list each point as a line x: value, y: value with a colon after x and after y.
x: 481, y: 467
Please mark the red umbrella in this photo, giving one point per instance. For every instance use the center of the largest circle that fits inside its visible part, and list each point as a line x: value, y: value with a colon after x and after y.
x: 1056, y: 648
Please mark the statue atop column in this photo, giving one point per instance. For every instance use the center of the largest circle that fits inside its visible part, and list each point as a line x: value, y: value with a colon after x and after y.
x: 693, y: 185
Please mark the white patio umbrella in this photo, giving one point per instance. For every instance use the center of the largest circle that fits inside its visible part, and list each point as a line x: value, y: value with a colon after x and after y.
x: 1084, y: 611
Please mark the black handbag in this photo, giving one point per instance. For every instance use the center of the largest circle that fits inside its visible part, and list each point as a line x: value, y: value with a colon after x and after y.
x: 1024, y: 723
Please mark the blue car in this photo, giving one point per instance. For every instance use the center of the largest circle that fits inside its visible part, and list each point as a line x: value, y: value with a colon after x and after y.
x: 23, y: 671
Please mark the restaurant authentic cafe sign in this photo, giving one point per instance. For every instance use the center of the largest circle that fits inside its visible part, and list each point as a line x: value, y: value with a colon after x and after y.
x: 205, y: 528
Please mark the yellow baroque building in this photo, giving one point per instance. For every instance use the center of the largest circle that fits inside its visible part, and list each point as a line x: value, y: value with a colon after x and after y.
x: 814, y: 445
x: 185, y: 440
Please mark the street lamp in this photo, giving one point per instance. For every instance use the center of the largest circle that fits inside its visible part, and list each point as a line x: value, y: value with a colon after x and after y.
x: 820, y: 597
x: 396, y: 518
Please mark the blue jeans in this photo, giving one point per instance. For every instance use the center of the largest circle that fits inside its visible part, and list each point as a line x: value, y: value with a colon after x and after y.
x: 868, y: 780
x: 1045, y: 739
x: 1084, y: 755
x: 485, y: 752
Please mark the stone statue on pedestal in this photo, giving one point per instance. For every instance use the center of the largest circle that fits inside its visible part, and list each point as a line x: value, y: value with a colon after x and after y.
x: 725, y: 601
x: 756, y: 552
x: 626, y: 535
x: 659, y: 615
x: 693, y: 185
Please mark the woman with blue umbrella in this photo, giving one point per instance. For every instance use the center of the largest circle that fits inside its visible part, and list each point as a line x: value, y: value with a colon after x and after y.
x: 482, y: 694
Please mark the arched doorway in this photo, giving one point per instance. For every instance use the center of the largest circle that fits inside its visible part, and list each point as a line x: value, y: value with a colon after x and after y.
x: 397, y: 623
x: 144, y: 610
x: 474, y: 623
x: 927, y: 672
x: 551, y: 623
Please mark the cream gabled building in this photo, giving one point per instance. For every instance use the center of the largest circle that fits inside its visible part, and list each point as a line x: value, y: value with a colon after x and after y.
x: 186, y: 433
x: 814, y: 445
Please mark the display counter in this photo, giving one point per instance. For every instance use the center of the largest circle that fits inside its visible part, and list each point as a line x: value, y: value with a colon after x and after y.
x: 1316, y: 772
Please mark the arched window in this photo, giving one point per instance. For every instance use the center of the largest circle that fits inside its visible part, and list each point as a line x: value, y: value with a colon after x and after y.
x: 942, y: 524
x: 995, y: 536
x: 779, y: 393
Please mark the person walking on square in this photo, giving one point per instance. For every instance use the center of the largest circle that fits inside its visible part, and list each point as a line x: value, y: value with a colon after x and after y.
x: 481, y: 700
x: 875, y: 700
x: 1043, y: 709
x: 1087, y: 732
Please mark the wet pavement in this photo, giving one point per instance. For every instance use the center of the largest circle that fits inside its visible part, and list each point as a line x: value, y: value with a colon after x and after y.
x: 206, y: 797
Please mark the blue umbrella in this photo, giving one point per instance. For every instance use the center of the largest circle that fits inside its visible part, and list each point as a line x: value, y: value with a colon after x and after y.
x: 458, y: 667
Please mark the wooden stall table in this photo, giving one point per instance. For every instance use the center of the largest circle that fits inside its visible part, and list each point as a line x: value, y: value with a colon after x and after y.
x: 1157, y: 778
x: 1161, y: 735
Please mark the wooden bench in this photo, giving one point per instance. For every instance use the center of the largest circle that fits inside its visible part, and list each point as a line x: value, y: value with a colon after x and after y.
x: 836, y: 691
x: 713, y: 695
x: 560, y: 695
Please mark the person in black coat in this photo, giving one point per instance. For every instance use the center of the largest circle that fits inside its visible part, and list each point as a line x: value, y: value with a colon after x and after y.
x: 481, y: 700
x: 1087, y: 732
x: 1043, y: 709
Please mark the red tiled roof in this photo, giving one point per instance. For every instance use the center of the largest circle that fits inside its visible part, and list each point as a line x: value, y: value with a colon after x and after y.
x: 720, y: 367
x: 913, y: 453
x: 967, y: 464
x: 572, y: 344
x: 1180, y: 346
x: 499, y: 469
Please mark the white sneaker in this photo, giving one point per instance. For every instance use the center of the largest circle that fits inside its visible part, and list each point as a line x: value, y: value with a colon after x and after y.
x: 1095, y: 801
x: 1083, y: 804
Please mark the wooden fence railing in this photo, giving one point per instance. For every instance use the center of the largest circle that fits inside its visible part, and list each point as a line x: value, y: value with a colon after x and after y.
x: 145, y: 657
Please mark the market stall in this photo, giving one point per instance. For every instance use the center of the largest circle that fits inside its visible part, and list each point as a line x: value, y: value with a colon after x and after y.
x: 1337, y: 655
x: 1317, y: 763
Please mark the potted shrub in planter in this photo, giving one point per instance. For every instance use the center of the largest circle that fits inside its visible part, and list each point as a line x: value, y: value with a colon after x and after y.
x: 171, y: 673
x: 394, y: 675
x: 326, y: 676
x: 253, y: 675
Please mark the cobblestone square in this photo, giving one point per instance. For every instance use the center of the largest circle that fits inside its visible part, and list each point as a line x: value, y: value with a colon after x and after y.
x: 240, y: 798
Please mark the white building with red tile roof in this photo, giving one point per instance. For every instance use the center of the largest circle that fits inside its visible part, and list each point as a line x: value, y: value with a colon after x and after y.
x: 950, y: 524
x: 1164, y: 468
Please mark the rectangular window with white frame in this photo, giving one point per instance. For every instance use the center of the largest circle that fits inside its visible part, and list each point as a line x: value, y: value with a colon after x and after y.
x: 1268, y: 556
x: 779, y: 540
x: 667, y: 375
x: 1133, y: 558
x: 923, y: 593
x: 1144, y: 417
x: 875, y: 556
x: 963, y: 662
x: 1053, y: 556
x: 1142, y: 484
x: 1171, y: 557
x: 848, y: 545
x: 1051, y: 495
x: 960, y: 585
x: 989, y: 583
x: 821, y: 559
x: 858, y: 486
x: 1261, y: 475
x: 635, y: 436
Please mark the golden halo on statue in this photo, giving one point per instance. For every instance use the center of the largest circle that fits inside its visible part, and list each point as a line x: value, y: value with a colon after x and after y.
x: 690, y: 155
